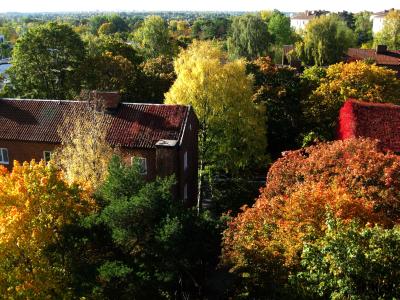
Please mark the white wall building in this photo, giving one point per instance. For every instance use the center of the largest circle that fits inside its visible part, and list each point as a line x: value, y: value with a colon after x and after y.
x: 377, y: 21
x: 300, y: 20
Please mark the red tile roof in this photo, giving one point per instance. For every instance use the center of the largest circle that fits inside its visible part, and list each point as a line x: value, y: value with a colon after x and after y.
x: 303, y: 16
x: 389, y: 58
x: 375, y: 120
x: 133, y: 125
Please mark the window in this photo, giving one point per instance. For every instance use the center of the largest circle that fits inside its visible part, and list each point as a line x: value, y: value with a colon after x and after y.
x: 4, y: 156
x: 142, y: 162
x: 185, y: 161
x: 46, y: 156
x: 185, y: 196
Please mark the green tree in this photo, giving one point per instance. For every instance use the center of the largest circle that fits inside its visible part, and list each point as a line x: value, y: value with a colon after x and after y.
x: 111, y: 73
x: 232, y: 127
x: 113, y: 65
x: 351, y: 261
x: 280, y: 30
x: 363, y: 27
x: 117, y: 47
x: 248, y: 37
x: 325, y: 41
x: 155, y: 79
x: 95, y: 22
x: 47, y: 62
x: 390, y: 33
x: 280, y: 90
x: 153, y: 37
x: 140, y: 243
x: 281, y: 34
x: 215, y: 28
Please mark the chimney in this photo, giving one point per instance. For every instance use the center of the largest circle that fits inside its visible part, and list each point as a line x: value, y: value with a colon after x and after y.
x: 381, y: 49
x: 109, y: 101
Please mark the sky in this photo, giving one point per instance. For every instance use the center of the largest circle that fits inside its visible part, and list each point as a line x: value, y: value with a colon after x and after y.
x: 194, y: 5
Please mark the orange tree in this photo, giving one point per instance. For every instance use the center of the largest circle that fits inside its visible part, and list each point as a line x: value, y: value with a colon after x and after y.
x: 352, y: 179
x: 35, y: 204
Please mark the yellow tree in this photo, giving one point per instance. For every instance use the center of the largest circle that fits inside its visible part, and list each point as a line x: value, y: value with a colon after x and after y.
x: 232, y: 127
x: 84, y: 153
x: 390, y: 33
x: 358, y: 80
x: 35, y: 204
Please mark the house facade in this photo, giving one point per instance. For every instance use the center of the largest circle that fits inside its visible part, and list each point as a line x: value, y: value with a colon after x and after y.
x: 300, y: 20
x: 163, y: 138
x: 378, y: 21
x: 372, y: 120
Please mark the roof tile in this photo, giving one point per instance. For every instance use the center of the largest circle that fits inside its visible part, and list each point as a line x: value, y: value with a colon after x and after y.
x: 133, y: 125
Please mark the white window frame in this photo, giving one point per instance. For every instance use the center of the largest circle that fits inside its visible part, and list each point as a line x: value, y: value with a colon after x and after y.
x: 44, y: 156
x: 2, y: 161
x: 185, y: 160
x: 142, y: 161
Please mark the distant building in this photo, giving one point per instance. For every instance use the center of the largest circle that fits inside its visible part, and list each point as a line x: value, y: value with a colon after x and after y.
x: 162, y: 137
x: 381, y: 56
x: 300, y: 20
x: 372, y: 120
x: 378, y: 20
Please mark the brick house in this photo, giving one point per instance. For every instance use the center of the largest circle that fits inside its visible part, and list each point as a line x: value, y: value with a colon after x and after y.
x: 381, y: 56
x: 162, y: 137
x: 374, y: 120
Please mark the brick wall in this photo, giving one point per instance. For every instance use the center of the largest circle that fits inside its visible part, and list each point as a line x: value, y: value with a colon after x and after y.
x: 25, y: 151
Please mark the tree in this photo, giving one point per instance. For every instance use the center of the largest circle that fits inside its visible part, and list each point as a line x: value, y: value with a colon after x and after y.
x: 248, y: 37
x: 363, y: 27
x: 111, y: 73
x: 390, y: 33
x: 96, y: 21
x: 97, y: 46
x: 156, y: 78
x: 35, y: 204
x: 357, y: 80
x: 215, y: 28
x: 46, y: 63
x: 263, y: 244
x: 325, y: 41
x: 153, y: 37
x: 140, y: 243
x: 232, y: 126
x: 348, y: 17
x: 281, y: 33
x: 84, y: 153
x: 107, y: 29
x: 351, y: 261
x: 279, y: 89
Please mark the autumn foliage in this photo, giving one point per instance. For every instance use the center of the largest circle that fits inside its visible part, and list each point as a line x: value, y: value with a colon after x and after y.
x: 351, y: 179
x: 35, y: 203
x: 357, y: 80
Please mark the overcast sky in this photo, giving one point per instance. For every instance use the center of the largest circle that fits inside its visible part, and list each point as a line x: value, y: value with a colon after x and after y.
x: 198, y: 5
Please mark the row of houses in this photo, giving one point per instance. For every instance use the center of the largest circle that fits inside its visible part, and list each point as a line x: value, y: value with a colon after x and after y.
x: 163, y: 138
x: 299, y: 20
